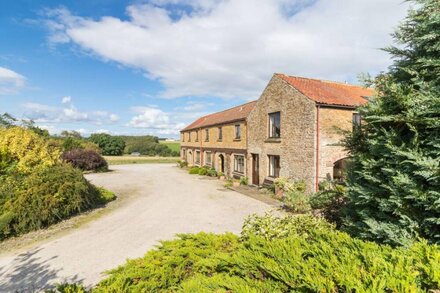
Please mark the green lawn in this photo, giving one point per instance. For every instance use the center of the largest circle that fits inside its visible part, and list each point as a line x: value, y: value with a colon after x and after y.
x: 173, y: 145
x: 122, y: 160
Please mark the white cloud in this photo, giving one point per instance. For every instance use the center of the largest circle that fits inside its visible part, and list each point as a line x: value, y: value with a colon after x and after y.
x: 10, y: 81
x: 155, y: 120
x: 231, y: 48
x: 66, y: 100
x: 67, y: 113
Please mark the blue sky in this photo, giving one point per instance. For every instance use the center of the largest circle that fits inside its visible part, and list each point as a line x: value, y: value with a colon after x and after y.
x: 151, y: 67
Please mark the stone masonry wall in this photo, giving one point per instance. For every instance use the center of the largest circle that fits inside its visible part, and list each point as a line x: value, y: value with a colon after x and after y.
x: 332, y: 122
x: 296, y: 147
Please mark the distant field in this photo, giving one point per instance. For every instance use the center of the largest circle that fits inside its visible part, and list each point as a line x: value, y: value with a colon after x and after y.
x: 173, y: 145
x: 122, y: 160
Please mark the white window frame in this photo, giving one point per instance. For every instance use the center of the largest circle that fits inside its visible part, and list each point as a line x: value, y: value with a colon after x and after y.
x: 208, y: 155
x: 239, y: 168
x: 272, y: 168
x: 272, y: 125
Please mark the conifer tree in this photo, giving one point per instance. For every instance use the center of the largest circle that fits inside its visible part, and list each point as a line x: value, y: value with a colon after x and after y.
x: 394, y: 179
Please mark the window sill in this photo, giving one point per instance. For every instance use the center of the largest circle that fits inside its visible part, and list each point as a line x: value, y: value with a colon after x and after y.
x: 219, y: 140
x: 273, y: 140
x: 237, y: 139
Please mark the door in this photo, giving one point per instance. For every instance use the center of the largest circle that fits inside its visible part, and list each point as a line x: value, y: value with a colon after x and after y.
x: 255, y: 170
x: 222, y: 163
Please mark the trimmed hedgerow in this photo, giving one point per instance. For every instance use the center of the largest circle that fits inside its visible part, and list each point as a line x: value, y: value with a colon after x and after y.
x: 278, y: 255
x: 86, y: 160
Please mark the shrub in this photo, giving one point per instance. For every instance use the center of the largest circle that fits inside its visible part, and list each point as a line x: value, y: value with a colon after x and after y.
x: 295, y: 199
x: 244, y: 180
x: 86, y: 160
x: 302, y: 254
x: 220, y: 174
x: 203, y: 171
x: 330, y: 200
x: 182, y: 164
x: 43, y: 198
x: 228, y: 183
x: 212, y: 172
x: 27, y: 149
x: 194, y: 170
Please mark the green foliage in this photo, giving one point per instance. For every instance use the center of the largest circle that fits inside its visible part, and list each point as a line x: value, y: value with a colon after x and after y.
x: 105, y: 195
x: 394, y: 181
x: 244, y: 180
x: 271, y: 227
x: 148, y: 146
x: 203, y: 171
x: 330, y: 201
x: 295, y: 198
x: 212, y: 172
x: 182, y: 164
x: 228, y: 183
x: 110, y: 145
x: 43, y: 198
x: 194, y: 170
x: 296, y: 254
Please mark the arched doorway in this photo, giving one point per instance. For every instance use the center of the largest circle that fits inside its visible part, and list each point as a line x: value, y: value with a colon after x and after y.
x: 222, y: 163
x: 340, y: 169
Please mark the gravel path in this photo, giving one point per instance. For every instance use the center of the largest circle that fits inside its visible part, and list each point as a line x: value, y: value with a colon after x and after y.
x: 158, y: 201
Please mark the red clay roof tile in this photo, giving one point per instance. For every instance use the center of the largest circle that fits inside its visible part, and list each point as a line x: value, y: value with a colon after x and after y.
x: 230, y: 115
x: 329, y: 92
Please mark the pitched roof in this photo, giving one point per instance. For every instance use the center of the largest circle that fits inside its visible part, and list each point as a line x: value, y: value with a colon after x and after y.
x: 329, y: 92
x: 230, y: 115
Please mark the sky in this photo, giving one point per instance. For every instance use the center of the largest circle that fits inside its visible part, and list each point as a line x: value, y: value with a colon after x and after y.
x: 152, y: 67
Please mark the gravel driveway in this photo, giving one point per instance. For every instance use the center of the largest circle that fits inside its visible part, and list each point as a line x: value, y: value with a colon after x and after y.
x: 158, y: 201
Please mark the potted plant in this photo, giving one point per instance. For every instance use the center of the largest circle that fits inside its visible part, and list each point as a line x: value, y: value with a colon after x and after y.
x: 221, y: 175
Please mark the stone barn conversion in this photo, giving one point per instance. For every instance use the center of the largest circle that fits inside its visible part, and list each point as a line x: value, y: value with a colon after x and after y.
x: 293, y: 130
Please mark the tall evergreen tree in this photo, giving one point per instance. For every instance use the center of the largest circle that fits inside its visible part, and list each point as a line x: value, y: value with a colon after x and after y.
x: 394, y: 180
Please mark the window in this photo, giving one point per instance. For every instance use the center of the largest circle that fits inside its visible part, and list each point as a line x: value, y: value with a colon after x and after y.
x: 274, y: 125
x: 197, y: 157
x: 220, y: 133
x: 239, y: 164
x: 184, y: 154
x: 274, y: 166
x: 183, y: 137
x: 206, y: 134
x: 237, y: 131
x: 356, y: 119
x: 208, y: 158
x: 197, y: 135
x: 189, y: 136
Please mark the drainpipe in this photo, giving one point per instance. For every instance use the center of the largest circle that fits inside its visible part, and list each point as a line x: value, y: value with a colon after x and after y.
x: 317, y: 148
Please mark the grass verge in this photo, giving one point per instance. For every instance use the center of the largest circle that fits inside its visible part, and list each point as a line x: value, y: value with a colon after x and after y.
x: 122, y: 160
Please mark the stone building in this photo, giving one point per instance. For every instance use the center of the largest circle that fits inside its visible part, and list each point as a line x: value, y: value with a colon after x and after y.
x: 293, y: 130
x: 218, y: 140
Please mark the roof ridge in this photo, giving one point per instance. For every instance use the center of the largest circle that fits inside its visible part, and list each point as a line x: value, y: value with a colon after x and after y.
x: 229, y: 109
x: 323, y: 80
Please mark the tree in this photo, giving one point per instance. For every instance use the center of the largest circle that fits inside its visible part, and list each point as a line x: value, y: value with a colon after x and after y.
x: 394, y: 179
x: 110, y: 145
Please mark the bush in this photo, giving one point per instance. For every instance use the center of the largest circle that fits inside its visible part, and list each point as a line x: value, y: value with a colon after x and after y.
x: 330, y: 201
x: 182, y: 164
x: 27, y: 149
x: 212, y: 172
x: 194, y: 170
x: 203, y: 171
x: 43, y: 198
x: 295, y: 199
x: 86, y: 160
x: 308, y: 255
x: 244, y: 180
